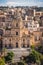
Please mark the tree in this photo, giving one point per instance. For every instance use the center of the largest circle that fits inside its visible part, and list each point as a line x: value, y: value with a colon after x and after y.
x: 9, y: 56
x: 21, y: 63
x: 33, y: 57
x: 2, y: 62
x: 40, y: 49
x: 32, y: 47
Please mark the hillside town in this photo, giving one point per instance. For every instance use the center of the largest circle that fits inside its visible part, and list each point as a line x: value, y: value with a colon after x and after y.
x: 20, y: 28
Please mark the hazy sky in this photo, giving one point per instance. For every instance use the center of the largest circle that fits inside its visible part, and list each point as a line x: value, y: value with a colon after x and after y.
x: 21, y: 2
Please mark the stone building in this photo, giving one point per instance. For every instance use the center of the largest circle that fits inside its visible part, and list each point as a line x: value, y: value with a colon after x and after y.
x: 14, y: 32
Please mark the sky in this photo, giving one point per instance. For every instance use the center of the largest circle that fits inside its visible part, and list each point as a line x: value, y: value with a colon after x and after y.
x: 38, y: 3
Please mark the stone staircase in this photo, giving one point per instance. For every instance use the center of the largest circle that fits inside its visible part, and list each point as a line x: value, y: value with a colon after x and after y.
x: 19, y: 52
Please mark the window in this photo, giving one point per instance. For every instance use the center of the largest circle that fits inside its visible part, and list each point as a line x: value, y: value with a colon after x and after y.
x: 3, y: 19
x: 10, y: 12
x: 16, y: 33
x: 16, y: 24
x: 10, y: 40
x: 37, y: 38
x: 16, y: 44
x: 27, y: 45
x: 5, y: 45
x: 23, y: 46
x: 10, y: 46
